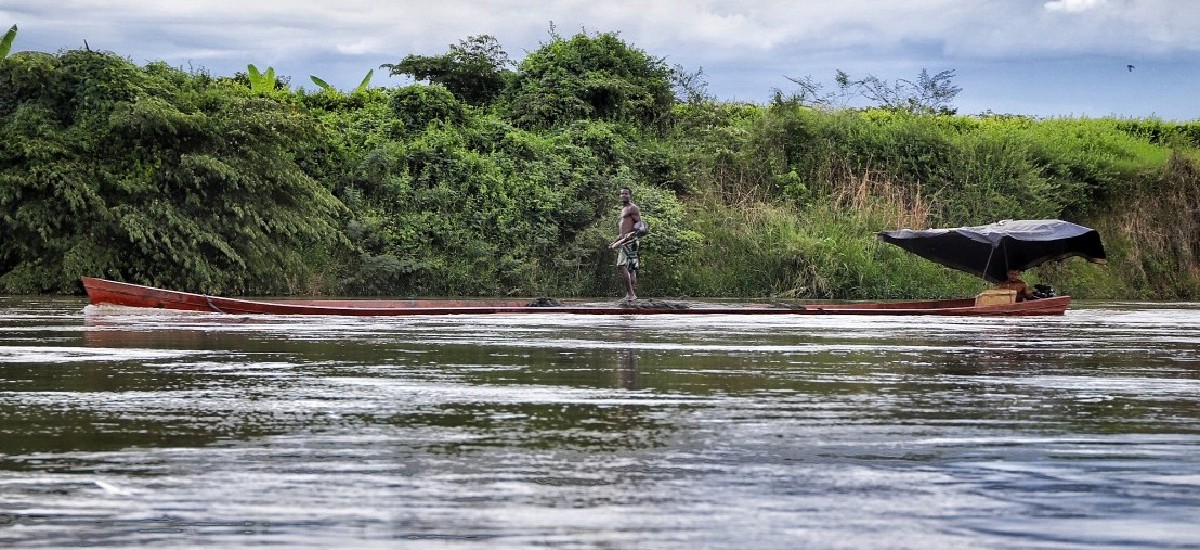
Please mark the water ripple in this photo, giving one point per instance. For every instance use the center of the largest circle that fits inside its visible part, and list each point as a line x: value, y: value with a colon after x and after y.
x: 121, y: 427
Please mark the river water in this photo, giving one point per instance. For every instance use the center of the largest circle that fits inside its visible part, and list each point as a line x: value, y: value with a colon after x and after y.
x: 128, y: 428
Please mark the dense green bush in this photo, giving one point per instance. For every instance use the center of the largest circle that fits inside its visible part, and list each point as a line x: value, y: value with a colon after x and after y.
x: 590, y: 77
x: 152, y: 175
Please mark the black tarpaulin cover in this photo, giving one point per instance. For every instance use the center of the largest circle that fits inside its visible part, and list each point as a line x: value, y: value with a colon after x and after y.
x: 989, y: 251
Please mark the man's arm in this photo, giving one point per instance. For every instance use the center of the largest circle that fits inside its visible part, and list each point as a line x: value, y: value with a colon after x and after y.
x: 639, y: 224
x: 634, y: 215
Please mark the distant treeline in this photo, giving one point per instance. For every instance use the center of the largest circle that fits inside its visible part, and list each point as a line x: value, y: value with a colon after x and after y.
x: 498, y: 178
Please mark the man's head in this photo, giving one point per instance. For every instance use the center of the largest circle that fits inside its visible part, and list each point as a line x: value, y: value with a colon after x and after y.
x: 1014, y: 274
x: 626, y: 195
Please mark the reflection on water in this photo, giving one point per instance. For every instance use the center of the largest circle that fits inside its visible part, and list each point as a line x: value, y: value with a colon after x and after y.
x: 627, y: 369
x: 121, y: 428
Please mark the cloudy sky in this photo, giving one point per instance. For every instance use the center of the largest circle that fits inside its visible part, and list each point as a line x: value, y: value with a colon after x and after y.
x: 1032, y: 57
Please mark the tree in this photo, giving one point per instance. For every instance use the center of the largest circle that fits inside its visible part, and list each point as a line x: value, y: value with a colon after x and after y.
x: 475, y: 70
x: 928, y: 95
x: 591, y: 77
x: 690, y: 86
x: 811, y: 93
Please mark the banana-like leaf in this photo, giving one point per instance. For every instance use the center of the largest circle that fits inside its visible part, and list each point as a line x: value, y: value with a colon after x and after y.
x: 322, y: 84
x: 255, y: 78
x: 261, y: 81
x: 7, y: 42
x: 366, y: 81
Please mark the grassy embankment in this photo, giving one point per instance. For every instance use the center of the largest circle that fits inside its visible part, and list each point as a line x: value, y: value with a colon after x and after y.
x: 790, y: 205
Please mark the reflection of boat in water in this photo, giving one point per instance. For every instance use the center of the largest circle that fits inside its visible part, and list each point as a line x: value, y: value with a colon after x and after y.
x: 102, y: 292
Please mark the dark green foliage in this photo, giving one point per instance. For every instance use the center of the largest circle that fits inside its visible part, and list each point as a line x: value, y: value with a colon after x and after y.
x: 153, y: 176
x: 484, y: 208
x: 419, y: 106
x: 596, y: 77
x: 475, y: 70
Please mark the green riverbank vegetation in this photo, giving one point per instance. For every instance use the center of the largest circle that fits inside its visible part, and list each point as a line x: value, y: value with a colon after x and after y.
x: 493, y: 177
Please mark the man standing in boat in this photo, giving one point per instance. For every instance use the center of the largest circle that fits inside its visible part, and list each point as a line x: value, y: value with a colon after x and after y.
x: 627, y: 238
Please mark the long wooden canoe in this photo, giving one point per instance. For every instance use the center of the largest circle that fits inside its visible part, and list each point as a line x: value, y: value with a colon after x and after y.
x: 104, y: 292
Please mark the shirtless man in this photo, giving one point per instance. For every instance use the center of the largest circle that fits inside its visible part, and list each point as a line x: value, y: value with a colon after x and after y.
x: 627, y: 258
x: 1014, y: 282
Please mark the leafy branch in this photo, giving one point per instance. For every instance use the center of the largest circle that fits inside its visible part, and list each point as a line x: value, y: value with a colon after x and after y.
x: 928, y: 95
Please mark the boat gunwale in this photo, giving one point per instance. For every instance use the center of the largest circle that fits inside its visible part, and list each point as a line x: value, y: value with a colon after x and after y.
x: 102, y: 291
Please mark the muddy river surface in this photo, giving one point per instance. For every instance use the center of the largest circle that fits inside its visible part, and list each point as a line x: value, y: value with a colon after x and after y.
x: 123, y: 428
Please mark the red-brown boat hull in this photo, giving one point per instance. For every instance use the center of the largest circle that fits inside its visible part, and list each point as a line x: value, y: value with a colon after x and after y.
x: 105, y: 292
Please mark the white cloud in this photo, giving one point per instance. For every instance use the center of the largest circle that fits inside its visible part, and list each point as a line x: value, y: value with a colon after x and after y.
x: 743, y: 45
x: 1073, y: 6
x: 718, y: 29
x: 358, y: 47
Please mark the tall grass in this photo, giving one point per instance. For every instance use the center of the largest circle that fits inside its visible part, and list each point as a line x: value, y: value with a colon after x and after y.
x: 1153, y: 237
x: 824, y: 250
x: 789, y: 202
